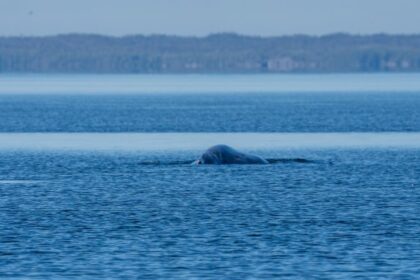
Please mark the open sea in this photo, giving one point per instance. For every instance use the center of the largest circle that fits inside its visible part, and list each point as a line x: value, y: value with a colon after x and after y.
x: 96, y: 180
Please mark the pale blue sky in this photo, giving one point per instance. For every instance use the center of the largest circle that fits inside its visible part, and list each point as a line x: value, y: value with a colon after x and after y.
x: 201, y: 17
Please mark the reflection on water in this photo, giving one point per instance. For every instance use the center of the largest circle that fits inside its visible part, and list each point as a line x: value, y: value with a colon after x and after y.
x: 201, y: 141
x: 182, y: 84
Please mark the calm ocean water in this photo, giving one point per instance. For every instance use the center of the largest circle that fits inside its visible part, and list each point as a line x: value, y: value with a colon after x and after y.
x: 96, y: 181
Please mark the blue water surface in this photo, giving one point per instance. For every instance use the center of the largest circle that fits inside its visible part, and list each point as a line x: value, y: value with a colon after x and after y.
x: 257, y: 112
x: 100, y: 206
x: 350, y: 213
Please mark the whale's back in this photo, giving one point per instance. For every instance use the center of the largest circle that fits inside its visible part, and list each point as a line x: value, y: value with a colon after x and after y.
x: 224, y: 154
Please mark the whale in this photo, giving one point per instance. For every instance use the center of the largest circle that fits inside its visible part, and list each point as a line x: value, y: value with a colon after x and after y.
x: 224, y: 154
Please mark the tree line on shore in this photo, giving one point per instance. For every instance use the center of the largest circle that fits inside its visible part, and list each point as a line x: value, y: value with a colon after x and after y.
x: 217, y: 53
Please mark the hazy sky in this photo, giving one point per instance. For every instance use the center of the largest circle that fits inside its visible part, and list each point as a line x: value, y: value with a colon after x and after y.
x: 201, y: 17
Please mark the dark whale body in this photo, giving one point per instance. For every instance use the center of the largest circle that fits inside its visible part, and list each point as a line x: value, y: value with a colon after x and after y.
x: 223, y: 154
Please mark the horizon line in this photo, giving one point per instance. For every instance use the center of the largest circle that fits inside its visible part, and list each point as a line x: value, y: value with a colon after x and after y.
x: 227, y: 33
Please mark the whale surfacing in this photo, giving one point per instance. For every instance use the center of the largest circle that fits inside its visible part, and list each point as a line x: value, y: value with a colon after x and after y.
x: 223, y: 154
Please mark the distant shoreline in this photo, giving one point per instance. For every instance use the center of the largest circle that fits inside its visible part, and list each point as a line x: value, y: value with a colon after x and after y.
x: 224, y: 53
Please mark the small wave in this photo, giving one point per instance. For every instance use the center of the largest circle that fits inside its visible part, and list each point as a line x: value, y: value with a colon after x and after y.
x: 289, y: 160
x: 18, y: 182
x: 158, y: 162
x: 189, y: 162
